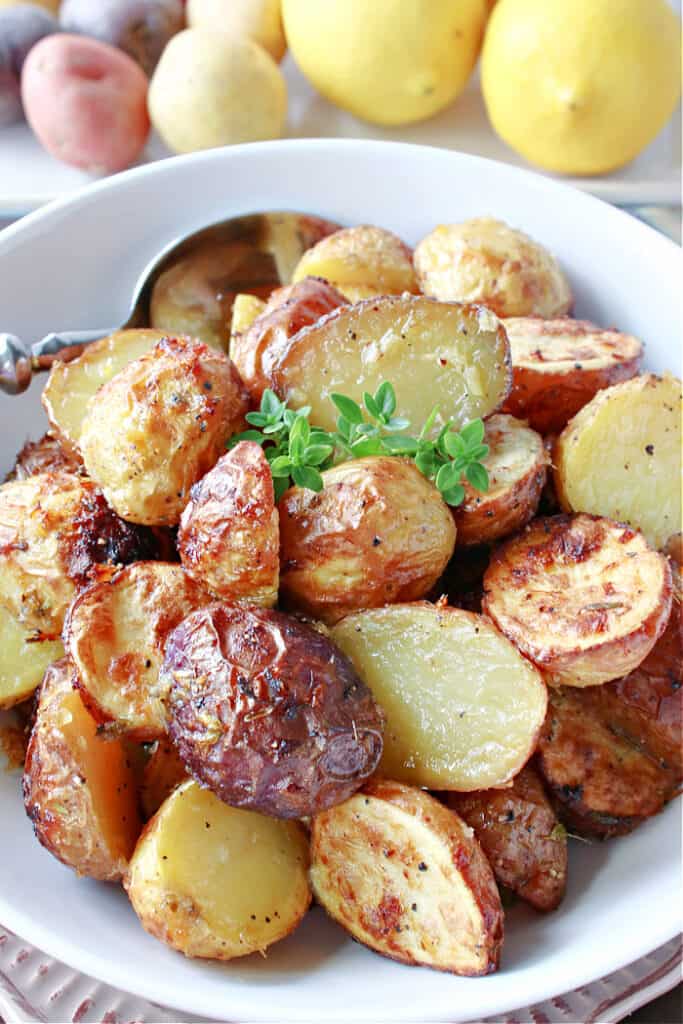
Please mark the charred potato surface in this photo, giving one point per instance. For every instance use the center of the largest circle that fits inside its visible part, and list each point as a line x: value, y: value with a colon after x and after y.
x: 24, y: 656
x: 267, y: 713
x: 361, y: 262
x: 46, y: 455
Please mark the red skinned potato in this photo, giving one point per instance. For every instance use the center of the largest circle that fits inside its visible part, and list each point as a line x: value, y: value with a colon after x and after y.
x: 267, y: 712
x: 86, y: 102
x: 141, y: 28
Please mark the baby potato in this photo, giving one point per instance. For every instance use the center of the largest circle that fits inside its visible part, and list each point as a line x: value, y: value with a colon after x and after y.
x: 158, y: 426
x: 79, y: 786
x: 463, y: 707
x: 115, y: 632
x: 24, y: 656
x: 56, y: 529
x: 266, y: 712
x: 260, y: 20
x: 517, y: 466
x: 518, y: 831
x: 361, y: 262
x: 406, y: 877
x: 46, y: 455
x: 86, y: 102
x: 486, y: 261
x: 620, y: 456
x: 229, y: 535
x: 377, y: 533
x: 21, y: 26
x: 210, y: 89
x: 434, y: 353
x: 141, y: 28
x: 161, y: 774
x: 584, y: 598
x: 559, y: 365
x: 213, y: 881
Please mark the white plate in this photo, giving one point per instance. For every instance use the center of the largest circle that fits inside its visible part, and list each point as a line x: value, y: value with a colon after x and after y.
x: 74, y: 264
x: 30, y: 177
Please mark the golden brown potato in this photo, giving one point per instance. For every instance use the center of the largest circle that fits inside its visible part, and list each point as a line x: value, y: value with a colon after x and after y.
x: 463, y: 707
x: 517, y: 466
x: 116, y: 631
x: 406, y: 877
x: 46, y: 455
x: 378, y: 532
x: 161, y: 774
x: 584, y: 598
x: 245, y: 309
x: 217, y: 882
x: 559, y: 365
x: 56, y: 529
x: 24, y: 656
x: 158, y: 426
x: 621, y: 456
x: 517, y: 830
x: 361, y: 262
x: 70, y: 386
x: 79, y: 787
x: 434, y: 353
x: 484, y: 260
x: 229, y: 535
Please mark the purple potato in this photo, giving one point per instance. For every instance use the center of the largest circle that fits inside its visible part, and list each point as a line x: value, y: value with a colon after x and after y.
x: 21, y: 26
x: 141, y: 28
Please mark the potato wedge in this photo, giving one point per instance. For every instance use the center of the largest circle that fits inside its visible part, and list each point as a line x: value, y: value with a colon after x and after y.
x: 116, y: 631
x: 378, y: 532
x: 46, y: 455
x: 584, y: 598
x: 406, y: 877
x: 70, y: 386
x: 463, y: 707
x: 362, y: 262
x: 217, y: 882
x: 24, y: 656
x: 621, y: 456
x: 517, y: 830
x: 229, y: 535
x: 161, y: 774
x: 517, y: 466
x: 79, y: 787
x: 434, y: 353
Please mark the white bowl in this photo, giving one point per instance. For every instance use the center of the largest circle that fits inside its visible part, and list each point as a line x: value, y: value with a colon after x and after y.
x: 73, y: 264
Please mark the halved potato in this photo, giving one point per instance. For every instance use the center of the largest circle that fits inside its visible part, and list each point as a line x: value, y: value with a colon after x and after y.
x: 161, y: 774
x: 584, y: 598
x: 70, y: 386
x: 559, y: 365
x: 621, y: 456
x: 406, y: 877
x: 46, y: 455
x: 517, y: 466
x: 361, y: 262
x: 116, y: 631
x: 218, y: 882
x: 463, y: 707
x: 24, y: 656
x: 79, y: 786
x: 434, y: 353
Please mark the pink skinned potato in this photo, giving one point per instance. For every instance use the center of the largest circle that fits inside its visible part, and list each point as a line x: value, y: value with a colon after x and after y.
x: 86, y: 102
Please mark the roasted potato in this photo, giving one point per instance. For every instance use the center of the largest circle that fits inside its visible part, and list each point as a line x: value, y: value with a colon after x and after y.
x: 24, y: 656
x: 115, y: 632
x: 229, y: 535
x: 584, y: 598
x: 517, y: 466
x: 55, y: 530
x: 486, y: 261
x: 406, y: 877
x: 361, y: 262
x: 217, y: 882
x: 434, y: 353
x: 463, y: 707
x: 79, y: 787
x: 256, y: 351
x: 158, y: 426
x: 378, y: 532
x: 70, y: 386
x: 245, y: 309
x: 462, y: 584
x: 621, y: 456
x: 559, y: 365
x: 517, y: 829
x: 46, y: 455
x: 161, y: 774
x: 267, y: 713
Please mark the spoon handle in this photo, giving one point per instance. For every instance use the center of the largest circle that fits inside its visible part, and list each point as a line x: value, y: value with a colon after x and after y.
x: 18, y: 361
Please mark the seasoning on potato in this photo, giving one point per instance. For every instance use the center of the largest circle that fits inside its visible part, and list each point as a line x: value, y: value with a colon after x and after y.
x: 22, y: 25
x: 260, y: 20
x: 24, y: 657
x: 141, y: 28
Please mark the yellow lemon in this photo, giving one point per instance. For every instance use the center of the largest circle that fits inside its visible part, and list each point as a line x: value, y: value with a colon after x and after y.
x: 386, y: 61
x: 581, y: 86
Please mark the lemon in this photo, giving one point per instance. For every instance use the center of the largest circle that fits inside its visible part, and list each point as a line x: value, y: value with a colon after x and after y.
x: 386, y: 61
x: 581, y: 86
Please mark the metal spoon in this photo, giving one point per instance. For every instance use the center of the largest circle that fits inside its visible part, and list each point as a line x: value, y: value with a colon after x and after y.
x: 261, y: 250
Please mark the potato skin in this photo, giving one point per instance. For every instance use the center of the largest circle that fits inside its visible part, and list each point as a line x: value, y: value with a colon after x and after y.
x: 267, y: 712
x: 486, y: 261
x: 397, y: 869
x: 46, y: 455
x: 165, y: 419
x: 361, y: 262
x: 517, y: 830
